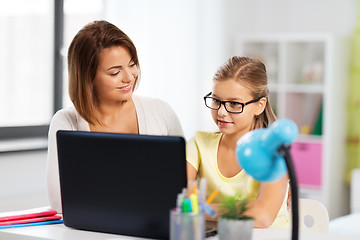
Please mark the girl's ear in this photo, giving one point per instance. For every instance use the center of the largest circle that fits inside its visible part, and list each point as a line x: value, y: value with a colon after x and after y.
x: 261, y: 106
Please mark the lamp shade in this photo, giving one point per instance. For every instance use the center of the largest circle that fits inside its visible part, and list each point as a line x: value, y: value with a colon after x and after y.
x: 257, y: 151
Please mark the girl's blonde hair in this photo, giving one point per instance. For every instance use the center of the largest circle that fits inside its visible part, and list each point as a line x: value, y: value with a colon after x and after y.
x: 251, y: 73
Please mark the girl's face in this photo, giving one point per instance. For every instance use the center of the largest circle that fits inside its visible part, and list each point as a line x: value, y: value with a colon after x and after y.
x: 236, y: 124
x: 115, y: 75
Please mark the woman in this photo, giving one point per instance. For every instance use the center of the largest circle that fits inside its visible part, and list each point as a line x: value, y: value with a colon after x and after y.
x: 103, y: 73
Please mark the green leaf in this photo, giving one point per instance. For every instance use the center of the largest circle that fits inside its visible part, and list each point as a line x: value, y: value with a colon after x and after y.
x: 233, y: 207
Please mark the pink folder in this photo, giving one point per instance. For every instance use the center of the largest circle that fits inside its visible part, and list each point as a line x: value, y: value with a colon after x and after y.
x: 27, y: 216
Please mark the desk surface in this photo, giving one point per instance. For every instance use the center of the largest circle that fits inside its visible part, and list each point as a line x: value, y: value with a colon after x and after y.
x: 60, y: 232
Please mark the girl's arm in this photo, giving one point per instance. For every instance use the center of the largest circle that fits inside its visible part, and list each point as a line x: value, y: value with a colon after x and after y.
x: 268, y: 203
x: 191, y: 172
x: 191, y: 176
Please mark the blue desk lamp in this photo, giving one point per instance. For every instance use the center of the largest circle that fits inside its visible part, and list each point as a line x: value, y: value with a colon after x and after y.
x: 264, y: 154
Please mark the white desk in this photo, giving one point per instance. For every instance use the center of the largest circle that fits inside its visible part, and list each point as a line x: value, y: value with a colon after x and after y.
x: 60, y: 232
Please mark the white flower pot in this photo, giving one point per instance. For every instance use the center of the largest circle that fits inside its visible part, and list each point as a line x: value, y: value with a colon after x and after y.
x: 231, y: 229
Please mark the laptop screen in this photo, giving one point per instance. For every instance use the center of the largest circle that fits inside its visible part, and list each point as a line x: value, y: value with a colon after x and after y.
x: 120, y: 183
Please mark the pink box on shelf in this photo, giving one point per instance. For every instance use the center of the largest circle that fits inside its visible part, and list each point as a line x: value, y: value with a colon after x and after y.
x: 307, y: 159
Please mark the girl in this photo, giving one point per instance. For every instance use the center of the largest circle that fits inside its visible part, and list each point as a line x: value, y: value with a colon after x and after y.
x: 239, y: 103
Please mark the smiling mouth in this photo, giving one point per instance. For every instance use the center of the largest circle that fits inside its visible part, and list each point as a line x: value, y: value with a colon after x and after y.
x: 125, y: 88
x: 223, y: 123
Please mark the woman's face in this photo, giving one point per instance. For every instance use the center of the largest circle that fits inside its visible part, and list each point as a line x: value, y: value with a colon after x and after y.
x: 115, y: 76
x: 234, y: 123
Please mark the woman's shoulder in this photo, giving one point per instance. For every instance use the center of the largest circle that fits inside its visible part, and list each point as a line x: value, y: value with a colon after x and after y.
x: 68, y: 118
x: 153, y: 107
x: 65, y: 114
x: 155, y: 116
x: 149, y: 101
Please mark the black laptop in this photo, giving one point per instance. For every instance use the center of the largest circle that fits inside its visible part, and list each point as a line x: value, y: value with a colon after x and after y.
x: 120, y: 183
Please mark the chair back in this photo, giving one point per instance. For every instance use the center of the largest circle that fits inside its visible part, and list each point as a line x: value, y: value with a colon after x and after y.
x: 354, y: 191
x: 313, y: 216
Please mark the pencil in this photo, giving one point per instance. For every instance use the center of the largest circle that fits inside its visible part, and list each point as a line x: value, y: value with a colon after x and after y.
x: 212, y: 196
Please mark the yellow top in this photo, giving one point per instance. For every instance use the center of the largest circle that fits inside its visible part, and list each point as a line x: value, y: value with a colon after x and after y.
x: 201, y: 153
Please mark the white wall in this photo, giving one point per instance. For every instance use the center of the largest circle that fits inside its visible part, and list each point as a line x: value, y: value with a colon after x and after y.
x: 22, y: 180
x: 291, y: 16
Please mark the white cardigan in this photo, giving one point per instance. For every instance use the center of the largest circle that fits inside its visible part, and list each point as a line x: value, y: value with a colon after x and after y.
x: 155, y: 117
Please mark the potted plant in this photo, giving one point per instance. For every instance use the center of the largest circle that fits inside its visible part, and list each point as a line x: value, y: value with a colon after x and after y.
x: 232, y: 224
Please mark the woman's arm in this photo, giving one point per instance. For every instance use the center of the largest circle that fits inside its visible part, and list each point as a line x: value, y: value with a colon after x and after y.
x: 59, y: 121
x: 268, y: 203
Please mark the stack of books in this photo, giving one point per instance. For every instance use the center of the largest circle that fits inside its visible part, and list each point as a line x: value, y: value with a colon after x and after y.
x: 29, y: 217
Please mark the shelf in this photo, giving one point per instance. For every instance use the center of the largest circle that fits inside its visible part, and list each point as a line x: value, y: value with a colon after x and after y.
x: 305, y: 88
x: 273, y: 87
x: 297, y: 88
x: 309, y: 138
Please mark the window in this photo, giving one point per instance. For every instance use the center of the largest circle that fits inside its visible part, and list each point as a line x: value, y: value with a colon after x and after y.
x: 33, y: 81
x: 26, y: 66
x: 26, y: 46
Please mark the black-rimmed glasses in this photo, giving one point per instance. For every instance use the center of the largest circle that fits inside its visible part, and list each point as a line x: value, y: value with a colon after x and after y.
x: 230, y: 106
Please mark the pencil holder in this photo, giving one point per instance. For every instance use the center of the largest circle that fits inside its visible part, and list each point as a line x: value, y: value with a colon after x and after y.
x: 187, y: 226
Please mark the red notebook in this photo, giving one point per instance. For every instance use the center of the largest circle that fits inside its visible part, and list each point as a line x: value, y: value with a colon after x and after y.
x: 30, y: 220
x: 30, y: 215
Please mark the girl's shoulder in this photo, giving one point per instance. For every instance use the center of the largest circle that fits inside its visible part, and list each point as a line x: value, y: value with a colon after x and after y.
x: 207, y: 134
x: 207, y: 137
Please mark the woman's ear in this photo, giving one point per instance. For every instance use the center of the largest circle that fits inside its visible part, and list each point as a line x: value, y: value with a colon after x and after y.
x: 261, y: 106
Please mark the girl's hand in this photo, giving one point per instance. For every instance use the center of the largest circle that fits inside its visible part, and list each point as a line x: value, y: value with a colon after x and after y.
x: 288, y: 201
x: 268, y: 203
x: 214, y: 206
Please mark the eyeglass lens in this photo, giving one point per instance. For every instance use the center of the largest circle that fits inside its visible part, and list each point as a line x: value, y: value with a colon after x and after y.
x: 229, y: 106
